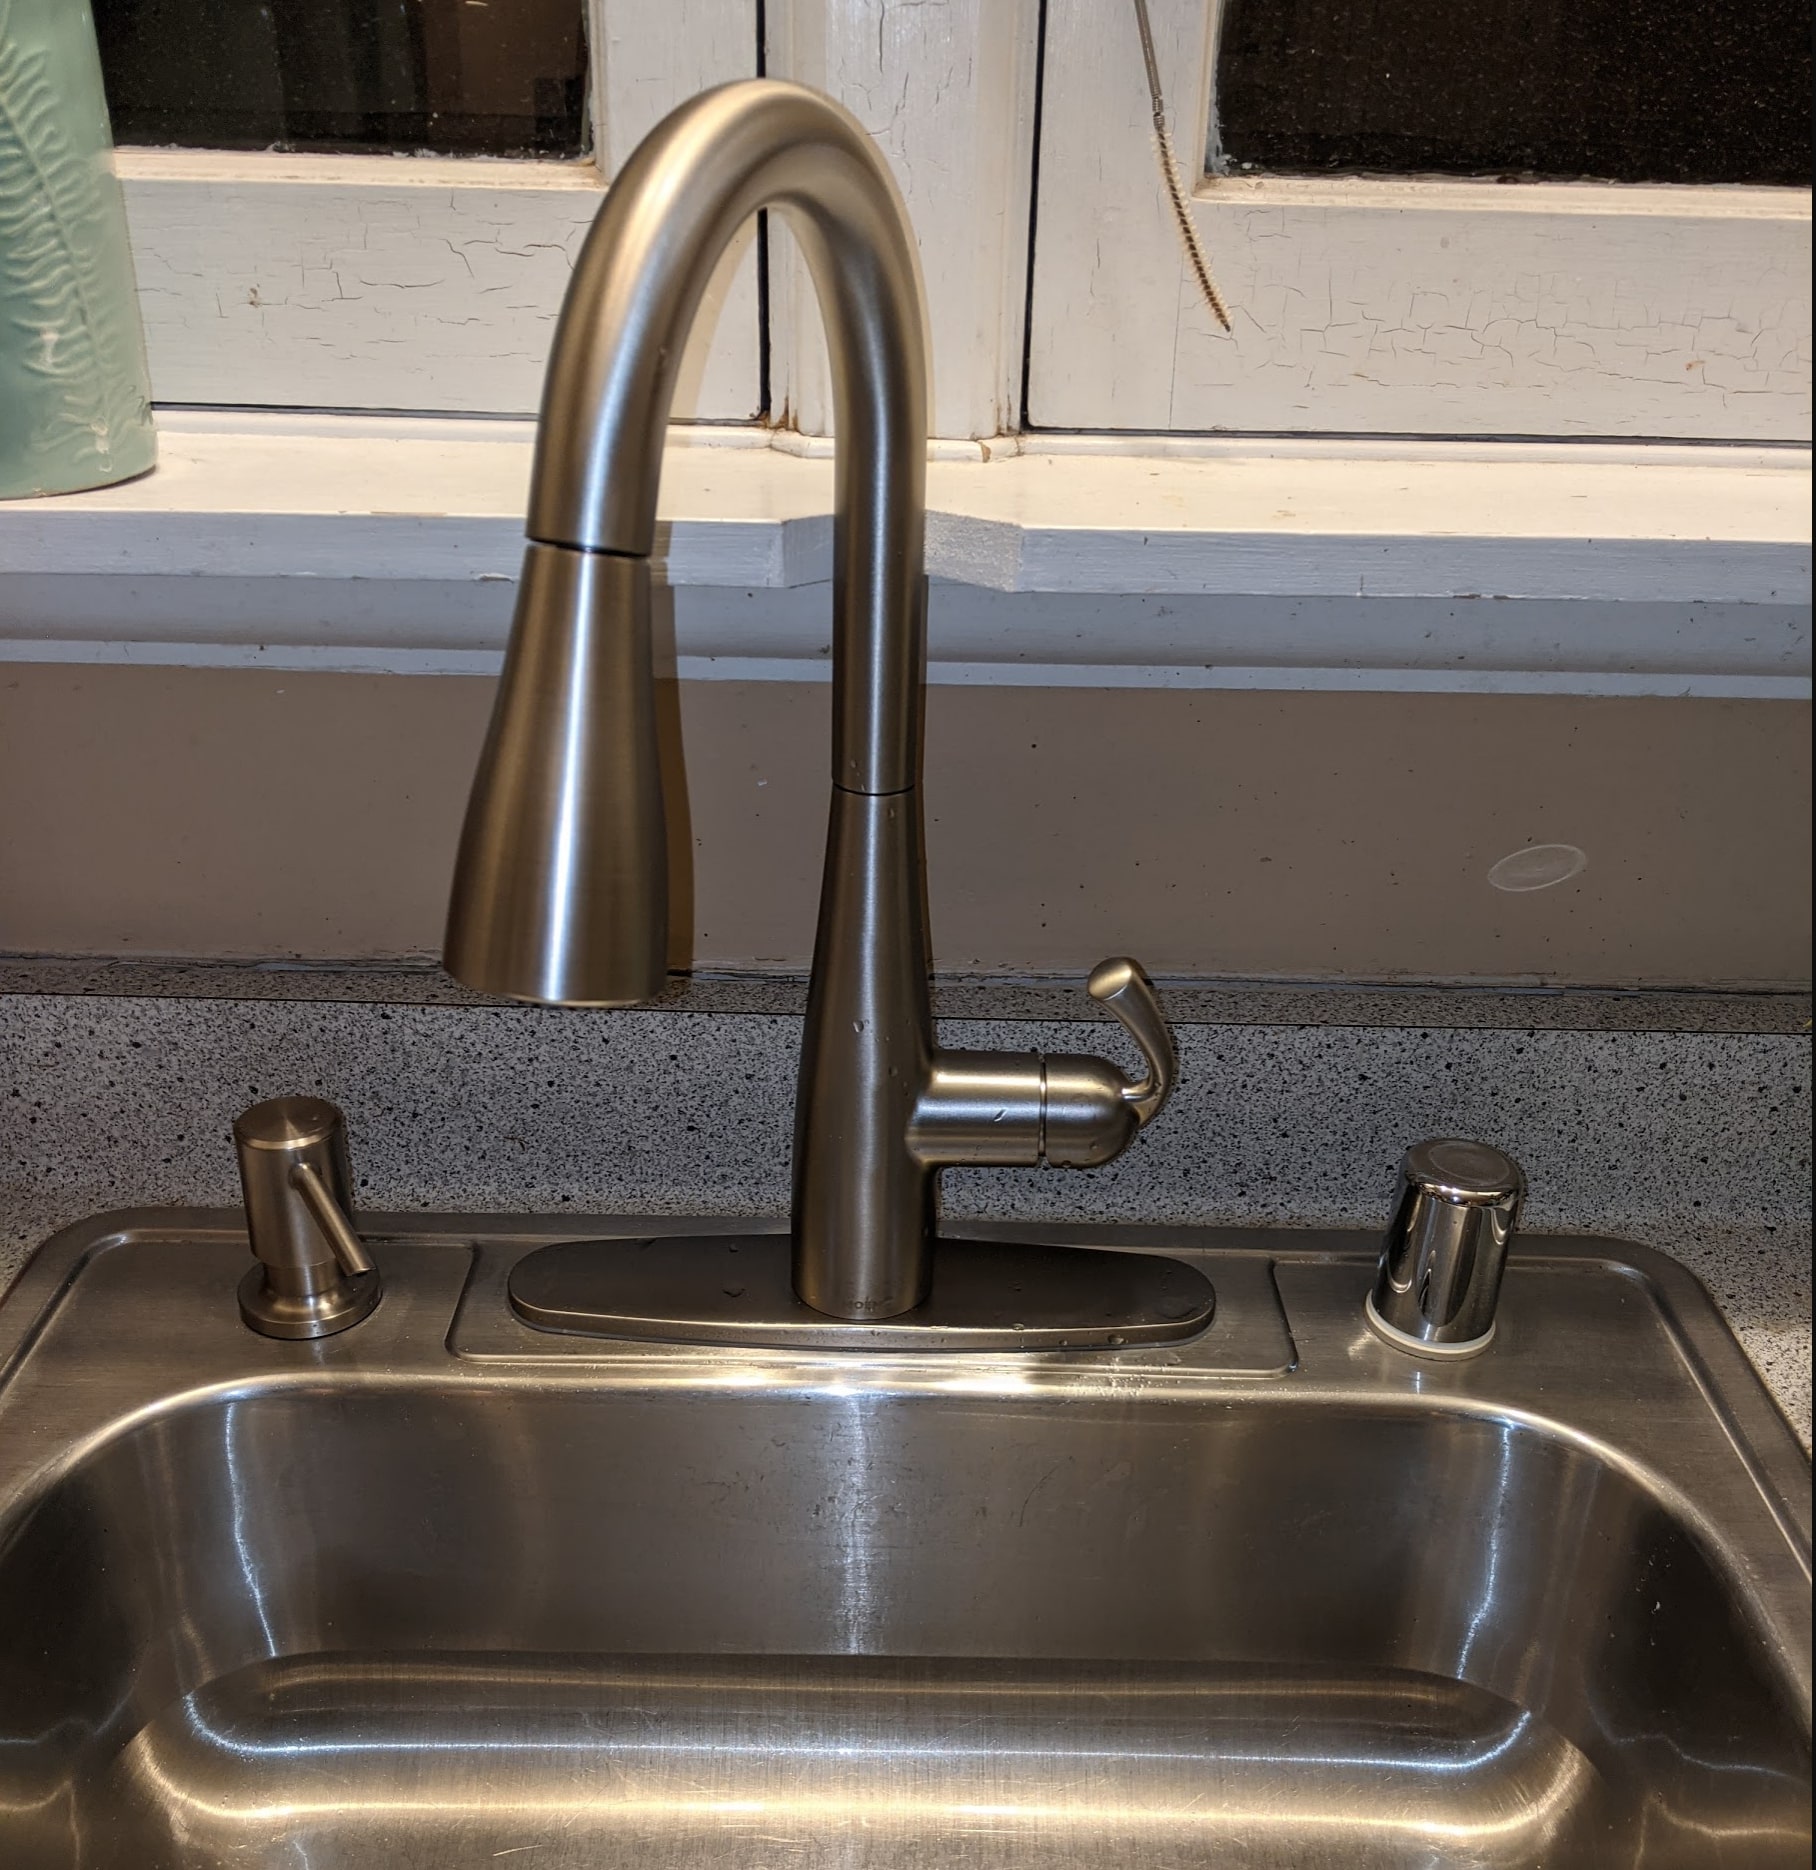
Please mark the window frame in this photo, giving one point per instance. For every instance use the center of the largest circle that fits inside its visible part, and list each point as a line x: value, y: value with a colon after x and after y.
x: 424, y: 283
x: 1425, y: 306
x: 431, y: 284
x: 949, y: 95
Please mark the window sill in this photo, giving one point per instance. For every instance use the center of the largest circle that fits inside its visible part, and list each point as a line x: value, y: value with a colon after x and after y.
x: 391, y: 543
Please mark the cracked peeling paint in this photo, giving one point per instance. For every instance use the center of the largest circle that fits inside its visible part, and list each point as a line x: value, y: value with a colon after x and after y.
x: 1378, y: 308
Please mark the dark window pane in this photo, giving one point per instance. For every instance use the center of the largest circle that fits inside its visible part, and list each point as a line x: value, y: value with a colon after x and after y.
x: 493, y: 77
x: 1625, y: 90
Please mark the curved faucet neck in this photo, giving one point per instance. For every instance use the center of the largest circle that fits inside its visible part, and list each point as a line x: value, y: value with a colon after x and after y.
x: 642, y: 275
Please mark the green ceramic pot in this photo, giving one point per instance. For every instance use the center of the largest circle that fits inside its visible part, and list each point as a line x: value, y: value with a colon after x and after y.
x: 75, y: 394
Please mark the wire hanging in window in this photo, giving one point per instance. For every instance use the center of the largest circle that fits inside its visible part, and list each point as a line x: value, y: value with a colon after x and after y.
x: 1169, y: 172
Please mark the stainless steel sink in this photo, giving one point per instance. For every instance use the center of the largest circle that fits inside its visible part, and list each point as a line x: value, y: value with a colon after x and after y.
x: 444, y: 1590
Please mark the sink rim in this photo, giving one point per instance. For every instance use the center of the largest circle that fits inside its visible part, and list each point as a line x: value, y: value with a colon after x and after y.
x: 1328, y: 1360
x: 1730, y: 1385
x: 1615, y: 1390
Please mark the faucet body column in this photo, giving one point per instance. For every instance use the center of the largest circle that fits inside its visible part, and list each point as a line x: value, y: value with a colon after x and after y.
x: 863, y: 1201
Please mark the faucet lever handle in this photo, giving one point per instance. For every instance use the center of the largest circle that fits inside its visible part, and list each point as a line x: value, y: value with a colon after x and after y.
x: 1123, y: 986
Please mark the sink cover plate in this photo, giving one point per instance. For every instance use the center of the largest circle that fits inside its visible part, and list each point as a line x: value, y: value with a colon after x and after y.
x: 988, y: 1295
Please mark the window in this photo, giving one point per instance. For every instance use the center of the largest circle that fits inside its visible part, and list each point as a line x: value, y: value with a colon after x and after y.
x: 311, y: 276
x: 1428, y: 304
x: 1616, y: 90
x: 1408, y: 203
x: 450, y: 77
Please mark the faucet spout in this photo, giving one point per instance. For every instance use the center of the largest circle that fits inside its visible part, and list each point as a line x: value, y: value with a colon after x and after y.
x: 560, y: 891
x: 645, y: 266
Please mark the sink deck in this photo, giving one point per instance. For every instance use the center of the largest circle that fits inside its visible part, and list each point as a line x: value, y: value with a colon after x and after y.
x: 448, y: 1591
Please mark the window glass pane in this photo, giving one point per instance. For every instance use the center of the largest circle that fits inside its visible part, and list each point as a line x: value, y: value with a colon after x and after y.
x: 1621, y: 90
x: 494, y: 77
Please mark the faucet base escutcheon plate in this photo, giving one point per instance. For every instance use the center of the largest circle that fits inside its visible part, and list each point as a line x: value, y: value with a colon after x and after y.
x: 986, y: 1295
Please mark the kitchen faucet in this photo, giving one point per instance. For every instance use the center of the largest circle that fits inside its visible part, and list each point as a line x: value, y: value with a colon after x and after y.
x: 560, y: 890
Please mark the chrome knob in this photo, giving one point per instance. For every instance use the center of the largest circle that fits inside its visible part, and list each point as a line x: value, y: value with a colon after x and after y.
x: 313, y: 1275
x: 1446, y: 1247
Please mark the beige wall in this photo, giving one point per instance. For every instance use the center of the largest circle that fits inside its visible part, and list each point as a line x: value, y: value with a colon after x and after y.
x: 256, y: 813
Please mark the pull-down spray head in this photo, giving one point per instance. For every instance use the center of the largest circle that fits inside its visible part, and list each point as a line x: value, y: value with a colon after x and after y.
x: 560, y: 890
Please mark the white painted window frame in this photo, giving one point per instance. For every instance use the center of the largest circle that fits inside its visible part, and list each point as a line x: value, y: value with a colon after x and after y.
x: 1363, y: 307
x: 948, y: 92
x: 1414, y: 306
x: 427, y: 284
x: 432, y: 284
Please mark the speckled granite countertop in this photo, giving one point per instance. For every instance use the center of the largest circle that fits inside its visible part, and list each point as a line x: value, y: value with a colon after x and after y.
x: 1678, y: 1120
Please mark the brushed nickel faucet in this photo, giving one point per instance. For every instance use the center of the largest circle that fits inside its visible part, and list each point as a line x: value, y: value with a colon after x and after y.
x: 560, y: 890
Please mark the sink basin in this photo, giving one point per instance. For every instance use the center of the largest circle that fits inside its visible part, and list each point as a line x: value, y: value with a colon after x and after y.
x: 445, y: 1590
